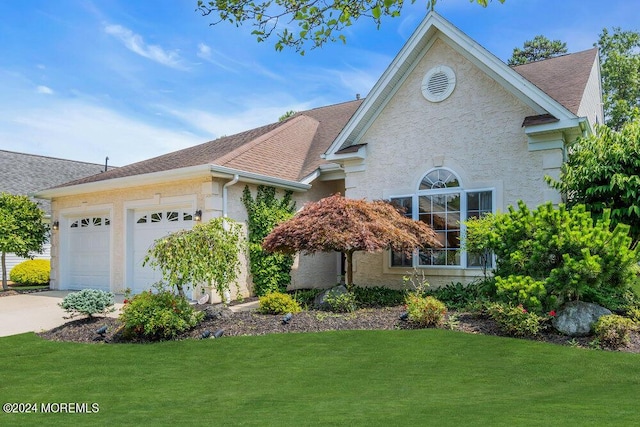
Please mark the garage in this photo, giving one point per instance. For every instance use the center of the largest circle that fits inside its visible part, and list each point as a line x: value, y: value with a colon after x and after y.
x: 87, y: 262
x: 147, y: 227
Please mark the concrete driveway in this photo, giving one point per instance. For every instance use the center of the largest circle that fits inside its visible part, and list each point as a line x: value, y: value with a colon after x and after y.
x: 36, y: 312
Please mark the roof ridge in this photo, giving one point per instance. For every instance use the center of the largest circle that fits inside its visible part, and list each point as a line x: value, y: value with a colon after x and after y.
x: 233, y: 154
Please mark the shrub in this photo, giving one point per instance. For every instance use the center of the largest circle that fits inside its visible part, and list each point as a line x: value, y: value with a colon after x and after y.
x: 516, y: 320
x: 88, y: 302
x: 161, y: 315
x: 379, y: 296
x: 31, y: 272
x: 458, y: 295
x: 425, y: 311
x: 564, y: 248
x: 278, y: 303
x: 340, y: 302
x: 525, y: 291
x: 613, y: 330
x: 305, y: 297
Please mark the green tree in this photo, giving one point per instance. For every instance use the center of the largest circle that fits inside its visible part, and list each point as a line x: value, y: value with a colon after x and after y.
x: 535, y: 50
x: 207, y: 255
x: 620, y: 69
x: 286, y: 115
x: 270, y: 271
x: 22, y: 230
x: 297, y: 22
x: 603, y: 172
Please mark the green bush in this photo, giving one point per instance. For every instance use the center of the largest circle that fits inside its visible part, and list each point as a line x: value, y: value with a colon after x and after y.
x: 523, y: 290
x: 31, y: 272
x: 563, y: 248
x: 305, y: 297
x: 459, y: 296
x: 88, y: 302
x: 278, y: 303
x: 613, y: 330
x: 340, y: 302
x: 516, y: 320
x: 155, y: 316
x: 425, y: 311
x: 379, y: 296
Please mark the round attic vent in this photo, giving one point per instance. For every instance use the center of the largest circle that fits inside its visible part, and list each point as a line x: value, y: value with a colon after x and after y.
x: 438, y: 83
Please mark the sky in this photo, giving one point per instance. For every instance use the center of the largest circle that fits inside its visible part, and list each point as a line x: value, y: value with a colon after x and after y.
x: 130, y: 80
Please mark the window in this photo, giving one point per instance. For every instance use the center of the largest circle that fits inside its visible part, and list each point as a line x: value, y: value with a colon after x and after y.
x: 443, y: 204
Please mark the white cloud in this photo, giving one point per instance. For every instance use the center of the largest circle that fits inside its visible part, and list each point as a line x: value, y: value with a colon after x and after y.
x: 205, y: 52
x: 82, y: 130
x: 135, y: 43
x: 44, y: 90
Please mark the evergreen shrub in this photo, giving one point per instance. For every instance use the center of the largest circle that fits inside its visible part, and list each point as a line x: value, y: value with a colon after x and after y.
x: 31, y: 272
x: 88, y: 302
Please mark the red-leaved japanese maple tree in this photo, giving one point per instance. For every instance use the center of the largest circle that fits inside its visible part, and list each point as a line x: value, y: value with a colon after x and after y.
x: 345, y: 225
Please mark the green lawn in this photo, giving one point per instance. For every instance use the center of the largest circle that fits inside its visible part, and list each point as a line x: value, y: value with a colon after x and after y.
x: 372, y: 378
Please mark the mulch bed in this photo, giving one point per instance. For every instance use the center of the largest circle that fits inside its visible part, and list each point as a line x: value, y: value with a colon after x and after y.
x: 252, y: 323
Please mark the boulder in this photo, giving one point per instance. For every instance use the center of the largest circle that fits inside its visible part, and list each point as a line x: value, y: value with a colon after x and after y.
x: 319, y: 300
x: 576, y: 318
x: 217, y: 312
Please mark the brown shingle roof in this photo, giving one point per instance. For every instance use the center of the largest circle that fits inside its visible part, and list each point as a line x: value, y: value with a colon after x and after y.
x: 563, y: 78
x: 288, y: 150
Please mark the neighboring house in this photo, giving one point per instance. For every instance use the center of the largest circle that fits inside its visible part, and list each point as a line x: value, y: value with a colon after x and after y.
x: 24, y: 174
x: 449, y: 131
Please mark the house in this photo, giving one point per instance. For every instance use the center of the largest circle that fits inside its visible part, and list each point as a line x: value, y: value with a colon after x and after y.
x: 449, y: 131
x: 24, y: 174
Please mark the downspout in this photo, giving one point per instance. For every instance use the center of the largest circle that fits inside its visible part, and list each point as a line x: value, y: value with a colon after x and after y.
x: 227, y: 295
x: 225, y: 192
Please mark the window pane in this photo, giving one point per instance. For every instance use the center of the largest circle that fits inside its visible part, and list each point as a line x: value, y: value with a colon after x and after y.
x: 404, y: 205
x: 439, y: 178
x: 478, y: 204
x: 442, y: 213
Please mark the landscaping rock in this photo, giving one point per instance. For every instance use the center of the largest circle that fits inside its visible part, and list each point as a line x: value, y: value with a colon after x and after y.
x: 576, y: 317
x: 217, y: 312
x: 319, y: 300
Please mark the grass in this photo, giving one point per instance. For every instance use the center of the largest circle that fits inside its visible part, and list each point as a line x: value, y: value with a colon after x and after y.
x: 408, y: 377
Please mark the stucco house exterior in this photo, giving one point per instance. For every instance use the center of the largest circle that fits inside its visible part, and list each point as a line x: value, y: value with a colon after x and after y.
x: 24, y: 174
x: 449, y: 131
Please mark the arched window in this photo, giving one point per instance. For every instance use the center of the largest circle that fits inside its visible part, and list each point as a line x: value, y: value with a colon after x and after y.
x: 443, y: 203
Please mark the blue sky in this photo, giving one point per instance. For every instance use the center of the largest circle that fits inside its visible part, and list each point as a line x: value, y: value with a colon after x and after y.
x: 82, y: 79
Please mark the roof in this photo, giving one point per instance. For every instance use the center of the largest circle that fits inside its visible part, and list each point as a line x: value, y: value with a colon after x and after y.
x: 22, y: 173
x: 563, y: 78
x: 288, y: 150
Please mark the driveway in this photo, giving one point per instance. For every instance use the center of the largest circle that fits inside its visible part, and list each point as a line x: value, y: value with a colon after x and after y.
x: 36, y: 312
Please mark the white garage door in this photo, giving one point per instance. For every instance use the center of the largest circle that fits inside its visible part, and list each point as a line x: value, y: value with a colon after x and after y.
x: 147, y: 227
x: 88, y: 254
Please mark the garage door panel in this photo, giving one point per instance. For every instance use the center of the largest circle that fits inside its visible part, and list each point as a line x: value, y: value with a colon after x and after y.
x: 88, y: 253
x: 148, y: 226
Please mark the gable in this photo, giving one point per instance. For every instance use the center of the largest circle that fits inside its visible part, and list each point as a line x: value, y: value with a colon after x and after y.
x: 476, y: 101
x: 435, y: 28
